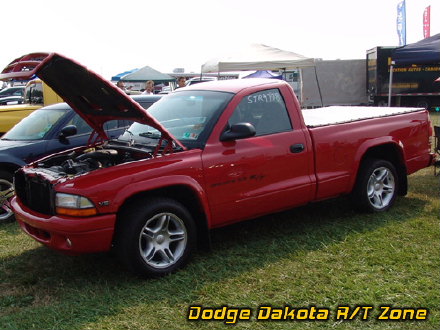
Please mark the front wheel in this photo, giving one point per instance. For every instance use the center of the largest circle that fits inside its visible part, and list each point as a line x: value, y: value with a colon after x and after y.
x: 155, y: 237
x: 6, y: 194
x: 376, y: 187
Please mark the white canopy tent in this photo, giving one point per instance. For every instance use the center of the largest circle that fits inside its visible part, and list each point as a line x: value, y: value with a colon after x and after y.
x: 258, y: 57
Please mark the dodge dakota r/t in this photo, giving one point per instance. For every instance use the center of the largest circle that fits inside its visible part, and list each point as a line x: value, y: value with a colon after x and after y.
x: 203, y: 157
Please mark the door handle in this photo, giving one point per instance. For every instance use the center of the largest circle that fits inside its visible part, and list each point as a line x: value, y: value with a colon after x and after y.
x: 297, y: 148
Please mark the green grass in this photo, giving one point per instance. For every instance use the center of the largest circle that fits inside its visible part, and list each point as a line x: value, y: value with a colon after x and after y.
x: 323, y: 254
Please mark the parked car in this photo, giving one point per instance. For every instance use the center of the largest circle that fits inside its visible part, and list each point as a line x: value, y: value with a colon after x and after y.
x: 46, y: 131
x: 36, y: 95
x: 197, y: 80
x: 11, y: 100
x: 12, y: 91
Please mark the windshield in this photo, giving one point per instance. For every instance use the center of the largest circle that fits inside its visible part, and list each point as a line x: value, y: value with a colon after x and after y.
x: 36, y: 125
x: 187, y: 115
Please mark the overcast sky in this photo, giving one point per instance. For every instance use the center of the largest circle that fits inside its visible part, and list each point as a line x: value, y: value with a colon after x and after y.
x: 114, y: 36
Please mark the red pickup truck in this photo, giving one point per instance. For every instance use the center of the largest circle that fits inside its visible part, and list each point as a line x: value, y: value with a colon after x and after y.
x: 203, y: 157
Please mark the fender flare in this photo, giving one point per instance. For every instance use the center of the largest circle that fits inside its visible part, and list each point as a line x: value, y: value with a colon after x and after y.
x: 369, y: 145
x: 153, y: 184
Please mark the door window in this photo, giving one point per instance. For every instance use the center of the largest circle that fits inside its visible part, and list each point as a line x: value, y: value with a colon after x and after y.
x: 81, y: 126
x: 265, y: 110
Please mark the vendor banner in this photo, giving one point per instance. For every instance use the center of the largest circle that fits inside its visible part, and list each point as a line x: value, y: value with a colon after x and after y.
x: 427, y: 22
x: 401, y: 22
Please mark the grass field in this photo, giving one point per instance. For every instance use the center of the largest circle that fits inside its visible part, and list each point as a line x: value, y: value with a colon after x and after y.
x: 322, y: 254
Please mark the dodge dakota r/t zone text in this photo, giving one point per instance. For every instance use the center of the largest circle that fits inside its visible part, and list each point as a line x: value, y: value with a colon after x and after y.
x: 203, y: 157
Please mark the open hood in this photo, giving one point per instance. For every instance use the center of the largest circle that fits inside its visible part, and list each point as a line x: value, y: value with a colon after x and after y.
x: 94, y: 98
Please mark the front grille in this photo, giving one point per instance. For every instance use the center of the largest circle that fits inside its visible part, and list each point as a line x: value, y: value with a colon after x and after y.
x: 34, y: 192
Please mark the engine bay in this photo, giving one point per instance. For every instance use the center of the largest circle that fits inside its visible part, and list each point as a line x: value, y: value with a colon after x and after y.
x: 86, y: 160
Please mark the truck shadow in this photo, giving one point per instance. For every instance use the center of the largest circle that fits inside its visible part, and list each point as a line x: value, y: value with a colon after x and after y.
x: 95, y: 286
x: 306, y: 228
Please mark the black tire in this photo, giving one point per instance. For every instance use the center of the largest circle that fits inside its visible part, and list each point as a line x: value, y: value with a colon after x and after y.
x: 382, y: 103
x: 155, y: 237
x: 423, y: 102
x: 6, y: 193
x: 376, y: 187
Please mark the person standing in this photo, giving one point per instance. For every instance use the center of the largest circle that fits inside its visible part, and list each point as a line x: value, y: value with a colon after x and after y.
x: 121, y: 85
x: 149, y: 88
x: 181, y: 81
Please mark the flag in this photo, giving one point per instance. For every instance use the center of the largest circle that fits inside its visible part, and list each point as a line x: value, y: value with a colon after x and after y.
x: 427, y: 22
x: 401, y: 22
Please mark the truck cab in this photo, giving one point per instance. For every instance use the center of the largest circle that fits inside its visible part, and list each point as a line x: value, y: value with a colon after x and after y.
x: 36, y: 95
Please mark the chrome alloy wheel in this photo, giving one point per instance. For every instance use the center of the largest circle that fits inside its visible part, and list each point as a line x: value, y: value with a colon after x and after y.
x: 6, y: 193
x: 162, y: 240
x: 381, y: 187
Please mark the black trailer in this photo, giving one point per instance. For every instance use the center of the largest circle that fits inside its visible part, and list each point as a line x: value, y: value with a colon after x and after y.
x: 415, y: 85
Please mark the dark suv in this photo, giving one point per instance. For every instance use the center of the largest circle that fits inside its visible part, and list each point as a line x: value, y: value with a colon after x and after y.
x: 12, y: 95
x: 12, y: 91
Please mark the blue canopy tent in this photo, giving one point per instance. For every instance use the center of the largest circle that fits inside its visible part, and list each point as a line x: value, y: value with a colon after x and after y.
x: 120, y: 75
x: 264, y: 74
x: 426, y: 51
x: 423, y: 52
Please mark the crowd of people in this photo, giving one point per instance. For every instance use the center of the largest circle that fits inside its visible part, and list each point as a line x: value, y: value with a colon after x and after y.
x: 149, y: 86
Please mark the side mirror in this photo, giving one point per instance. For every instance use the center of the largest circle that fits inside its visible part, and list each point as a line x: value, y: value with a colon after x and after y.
x: 67, y: 131
x: 238, y: 131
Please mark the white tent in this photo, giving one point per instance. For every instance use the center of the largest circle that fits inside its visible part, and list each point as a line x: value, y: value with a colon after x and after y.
x: 258, y: 57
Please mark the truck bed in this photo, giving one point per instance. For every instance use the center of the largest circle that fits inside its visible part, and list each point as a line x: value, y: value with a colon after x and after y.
x: 345, y: 114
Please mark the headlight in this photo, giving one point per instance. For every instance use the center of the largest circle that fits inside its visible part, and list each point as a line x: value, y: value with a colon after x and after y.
x: 74, y: 205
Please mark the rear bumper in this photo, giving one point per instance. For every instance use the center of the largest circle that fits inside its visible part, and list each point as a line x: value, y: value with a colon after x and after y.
x: 66, y: 234
x: 417, y: 163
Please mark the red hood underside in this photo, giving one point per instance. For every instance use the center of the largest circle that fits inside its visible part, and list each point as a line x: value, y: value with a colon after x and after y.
x: 94, y: 98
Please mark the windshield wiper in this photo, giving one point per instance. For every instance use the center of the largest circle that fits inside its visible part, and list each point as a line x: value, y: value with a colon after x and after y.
x: 150, y: 135
x: 177, y: 147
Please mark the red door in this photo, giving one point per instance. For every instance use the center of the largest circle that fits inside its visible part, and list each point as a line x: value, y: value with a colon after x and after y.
x: 268, y: 172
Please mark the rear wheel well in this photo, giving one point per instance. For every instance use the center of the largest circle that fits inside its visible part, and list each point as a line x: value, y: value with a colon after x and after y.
x: 391, y: 153
x: 184, y: 195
